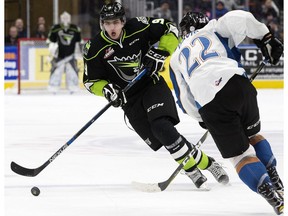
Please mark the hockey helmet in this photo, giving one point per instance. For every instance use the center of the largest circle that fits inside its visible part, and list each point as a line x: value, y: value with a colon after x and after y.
x: 192, y: 21
x: 112, y: 11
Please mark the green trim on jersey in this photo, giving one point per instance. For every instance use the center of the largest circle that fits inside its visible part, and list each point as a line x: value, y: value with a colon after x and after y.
x: 168, y: 42
x: 136, y: 31
x: 97, y: 87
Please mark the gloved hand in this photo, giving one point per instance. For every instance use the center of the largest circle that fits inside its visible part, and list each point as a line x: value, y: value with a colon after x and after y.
x: 271, y: 47
x: 115, y: 94
x: 154, y: 60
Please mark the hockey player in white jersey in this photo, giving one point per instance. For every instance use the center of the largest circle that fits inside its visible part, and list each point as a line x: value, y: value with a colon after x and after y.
x: 212, y: 86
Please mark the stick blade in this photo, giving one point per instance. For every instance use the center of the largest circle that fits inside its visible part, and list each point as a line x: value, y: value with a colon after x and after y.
x: 146, y: 187
x: 24, y: 171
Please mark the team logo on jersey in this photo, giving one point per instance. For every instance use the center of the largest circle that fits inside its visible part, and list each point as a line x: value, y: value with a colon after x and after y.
x: 217, y: 82
x: 65, y: 38
x: 142, y: 19
x: 86, y: 47
x: 108, y: 52
x: 126, y: 67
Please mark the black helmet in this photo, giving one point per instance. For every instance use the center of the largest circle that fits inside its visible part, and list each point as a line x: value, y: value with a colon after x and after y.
x: 112, y: 11
x: 192, y: 21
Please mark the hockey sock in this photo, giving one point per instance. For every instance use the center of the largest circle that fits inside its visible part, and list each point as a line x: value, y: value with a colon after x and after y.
x: 264, y: 152
x: 253, y: 173
x: 201, y: 159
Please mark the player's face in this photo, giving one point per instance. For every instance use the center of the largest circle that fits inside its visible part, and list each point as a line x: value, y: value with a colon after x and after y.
x: 113, y: 28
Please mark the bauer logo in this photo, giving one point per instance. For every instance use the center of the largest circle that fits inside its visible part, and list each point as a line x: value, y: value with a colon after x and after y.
x: 155, y: 106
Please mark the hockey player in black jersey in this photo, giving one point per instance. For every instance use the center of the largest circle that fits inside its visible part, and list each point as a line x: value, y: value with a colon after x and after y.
x: 62, y: 39
x: 115, y: 56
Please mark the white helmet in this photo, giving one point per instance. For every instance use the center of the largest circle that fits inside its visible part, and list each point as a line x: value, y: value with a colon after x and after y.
x: 65, y: 18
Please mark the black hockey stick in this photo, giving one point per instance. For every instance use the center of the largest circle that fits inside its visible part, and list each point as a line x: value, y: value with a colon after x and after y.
x: 161, y: 186
x: 260, y: 67
x: 33, y: 172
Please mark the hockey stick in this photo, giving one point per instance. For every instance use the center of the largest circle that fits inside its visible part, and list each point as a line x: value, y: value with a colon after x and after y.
x: 260, y: 67
x: 161, y: 186
x: 33, y: 172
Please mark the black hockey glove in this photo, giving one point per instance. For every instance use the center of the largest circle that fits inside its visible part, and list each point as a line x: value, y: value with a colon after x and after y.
x: 114, y: 93
x: 271, y: 48
x: 154, y: 60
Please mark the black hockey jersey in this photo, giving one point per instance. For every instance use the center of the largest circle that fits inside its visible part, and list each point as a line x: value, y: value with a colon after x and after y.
x: 66, y: 38
x: 106, y: 60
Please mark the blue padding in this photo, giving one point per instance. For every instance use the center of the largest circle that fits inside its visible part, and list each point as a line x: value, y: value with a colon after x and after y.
x: 264, y: 153
x: 253, y: 175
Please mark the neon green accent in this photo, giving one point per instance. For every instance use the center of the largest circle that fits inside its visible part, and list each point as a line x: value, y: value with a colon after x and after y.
x: 189, y: 164
x: 98, y: 86
x: 137, y: 31
x: 168, y: 42
x: 88, y: 45
x: 204, y: 162
x: 128, y: 64
x: 106, y: 38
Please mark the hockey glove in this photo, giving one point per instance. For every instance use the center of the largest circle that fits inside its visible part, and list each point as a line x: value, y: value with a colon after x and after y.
x: 114, y: 94
x: 154, y: 60
x: 271, y: 48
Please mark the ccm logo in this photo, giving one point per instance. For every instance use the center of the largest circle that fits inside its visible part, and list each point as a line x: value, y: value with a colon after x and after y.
x: 155, y: 106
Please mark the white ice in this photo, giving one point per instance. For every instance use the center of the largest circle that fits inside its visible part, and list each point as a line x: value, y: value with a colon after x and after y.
x: 93, y: 176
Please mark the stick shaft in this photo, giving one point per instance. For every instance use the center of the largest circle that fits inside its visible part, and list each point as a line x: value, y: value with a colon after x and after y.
x: 33, y: 172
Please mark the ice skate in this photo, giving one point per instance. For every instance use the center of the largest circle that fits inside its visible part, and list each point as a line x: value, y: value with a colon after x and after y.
x: 197, y: 177
x: 272, y: 196
x: 275, y: 179
x: 218, y: 172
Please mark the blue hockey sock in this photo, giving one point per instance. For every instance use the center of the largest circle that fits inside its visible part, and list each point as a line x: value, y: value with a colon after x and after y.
x: 264, y: 153
x: 253, y: 175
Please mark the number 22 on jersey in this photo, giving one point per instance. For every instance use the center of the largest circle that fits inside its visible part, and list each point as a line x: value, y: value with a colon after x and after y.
x: 204, y: 53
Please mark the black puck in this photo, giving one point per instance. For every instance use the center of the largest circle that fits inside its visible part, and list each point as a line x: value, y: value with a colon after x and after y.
x: 35, y: 191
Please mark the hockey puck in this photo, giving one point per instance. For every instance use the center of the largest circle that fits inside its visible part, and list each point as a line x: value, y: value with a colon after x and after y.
x: 35, y: 191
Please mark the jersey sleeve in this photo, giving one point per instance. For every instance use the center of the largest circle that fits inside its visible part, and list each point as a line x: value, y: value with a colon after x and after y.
x: 165, y: 32
x: 52, y: 36
x: 239, y: 24
x: 93, y: 76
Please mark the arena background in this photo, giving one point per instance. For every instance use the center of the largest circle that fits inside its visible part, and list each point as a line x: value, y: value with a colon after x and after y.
x: 35, y: 66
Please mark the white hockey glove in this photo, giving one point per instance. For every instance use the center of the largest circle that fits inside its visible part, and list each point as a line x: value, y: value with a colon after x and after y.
x: 115, y: 94
x: 154, y: 60
x: 271, y: 48
x: 53, y: 49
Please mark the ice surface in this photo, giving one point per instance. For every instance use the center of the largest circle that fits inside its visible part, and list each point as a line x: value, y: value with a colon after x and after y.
x: 93, y: 175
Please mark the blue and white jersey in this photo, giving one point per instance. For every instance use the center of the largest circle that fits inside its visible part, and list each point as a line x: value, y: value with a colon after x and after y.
x: 207, y: 58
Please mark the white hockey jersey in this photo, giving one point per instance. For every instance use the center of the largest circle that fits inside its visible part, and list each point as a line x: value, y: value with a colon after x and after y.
x: 207, y: 58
